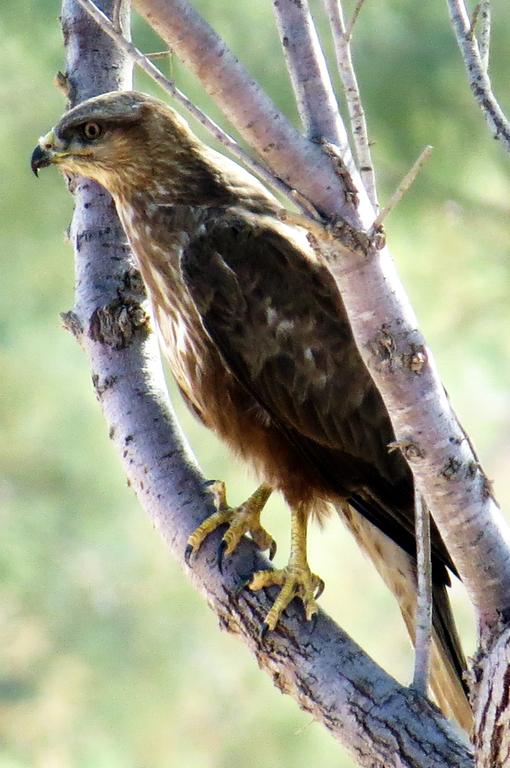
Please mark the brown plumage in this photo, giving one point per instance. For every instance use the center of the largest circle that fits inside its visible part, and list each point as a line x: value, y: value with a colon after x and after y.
x: 258, y: 339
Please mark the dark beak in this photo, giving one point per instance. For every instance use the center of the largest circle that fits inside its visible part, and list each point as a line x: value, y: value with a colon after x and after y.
x: 41, y: 158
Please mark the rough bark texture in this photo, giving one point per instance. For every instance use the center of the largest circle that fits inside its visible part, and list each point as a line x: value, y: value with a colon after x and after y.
x: 382, y: 723
x: 491, y: 673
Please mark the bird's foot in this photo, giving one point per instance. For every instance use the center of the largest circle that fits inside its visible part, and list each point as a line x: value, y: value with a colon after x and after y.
x: 240, y: 520
x: 296, y: 580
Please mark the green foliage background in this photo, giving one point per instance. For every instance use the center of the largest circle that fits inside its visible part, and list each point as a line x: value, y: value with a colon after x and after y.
x: 108, y: 658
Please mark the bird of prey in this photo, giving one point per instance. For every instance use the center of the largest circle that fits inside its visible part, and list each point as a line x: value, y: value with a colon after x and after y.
x: 258, y: 340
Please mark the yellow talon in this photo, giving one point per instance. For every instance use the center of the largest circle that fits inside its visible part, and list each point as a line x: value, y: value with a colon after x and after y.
x: 240, y: 520
x: 296, y: 580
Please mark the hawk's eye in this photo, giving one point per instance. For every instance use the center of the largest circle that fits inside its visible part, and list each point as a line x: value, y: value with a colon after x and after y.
x: 92, y: 131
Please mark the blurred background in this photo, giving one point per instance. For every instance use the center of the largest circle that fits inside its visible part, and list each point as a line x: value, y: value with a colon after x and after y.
x: 108, y: 658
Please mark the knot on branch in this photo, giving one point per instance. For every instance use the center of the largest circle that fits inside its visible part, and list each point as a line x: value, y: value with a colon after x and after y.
x: 383, y: 346
x: 341, y: 170
x: 411, y: 450
x: 71, y: 322
x: 415, y: 361
x: 133, y: 288
x: 353, y: 239
x: 451, y: 468
x: 117, y: 323
x: 378, y: 238
x: 102, y: 385
x: 63, y: 83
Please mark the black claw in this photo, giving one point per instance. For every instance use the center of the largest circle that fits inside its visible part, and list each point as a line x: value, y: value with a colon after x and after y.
x: 220, y: 554
x: 241, y: 587
x: 264, y: 629
x: 320, y: 589
x: 272, y: 550
x: 187, y: 554
x: 207, y: 483
x: 313, y: 622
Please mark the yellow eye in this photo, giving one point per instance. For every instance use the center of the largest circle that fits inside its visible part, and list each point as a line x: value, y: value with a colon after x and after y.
x: 92, y: 131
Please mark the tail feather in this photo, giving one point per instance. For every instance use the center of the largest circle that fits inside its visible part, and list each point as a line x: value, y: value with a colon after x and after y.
x: 398, y: 570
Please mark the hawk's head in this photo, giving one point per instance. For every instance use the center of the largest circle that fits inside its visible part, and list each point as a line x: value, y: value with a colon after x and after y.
x: 121, y: 139
x: 128, y: 141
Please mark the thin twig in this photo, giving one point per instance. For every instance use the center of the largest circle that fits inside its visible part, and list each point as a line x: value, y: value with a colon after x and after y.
x: 169, y: 86
x: 474, y: 18
x: 403, y: 187
x: 341, y: 39
x: 309, y: 73
x: 423, y: 620
x: 476, y: 67
x: 158, y: 55
x: 484, y: 37
x: 354, y: 18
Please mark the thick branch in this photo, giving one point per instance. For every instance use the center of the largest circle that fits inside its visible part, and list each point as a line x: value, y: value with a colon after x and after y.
x: 476, y: 68
x: 309, y: 74
x: 492, y: 704
x: 382, y: 723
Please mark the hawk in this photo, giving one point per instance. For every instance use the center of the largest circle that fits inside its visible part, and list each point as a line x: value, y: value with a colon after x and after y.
x: 258, y: 340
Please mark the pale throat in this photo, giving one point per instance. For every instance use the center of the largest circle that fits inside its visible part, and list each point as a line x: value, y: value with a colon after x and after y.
x: 156, y: 245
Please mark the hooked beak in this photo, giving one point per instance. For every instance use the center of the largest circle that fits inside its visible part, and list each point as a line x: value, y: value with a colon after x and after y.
x: 45, y: 153
x: 41, y: 158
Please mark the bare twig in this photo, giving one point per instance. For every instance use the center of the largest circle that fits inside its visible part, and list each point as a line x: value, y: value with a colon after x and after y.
x: 354, y: 18
x: 143, y: 61
x: 341, y: 39
x: 309, y: 74
x: 158, y: 55
x: 474, y: 18
x: 481, y: 18
x: 484, y: 36
x: 476, y: 66
x: 423, y: 621
x: 403, y: 187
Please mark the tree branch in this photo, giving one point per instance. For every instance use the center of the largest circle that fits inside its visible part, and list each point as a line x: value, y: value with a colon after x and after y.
x: 484, y: 38
x: 342, y: 43
x: 476, y: 68
x: 402, y: 188
x: 309, y: 74
x: 492, y: 704
x: 423, y: 621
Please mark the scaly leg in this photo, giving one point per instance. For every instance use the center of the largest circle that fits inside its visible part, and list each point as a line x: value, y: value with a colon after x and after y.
x: 296, y: 580
x: 240, y: 520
